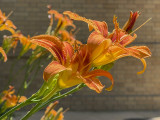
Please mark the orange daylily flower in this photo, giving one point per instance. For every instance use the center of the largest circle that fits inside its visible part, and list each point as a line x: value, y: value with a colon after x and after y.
x: 6, y: 24
x: 50, y: 113
x: 3, y: 53
x: 69, y: 37
x: 25, y: 41
x: 110, y: 47
x: 73, y: 66
x: 63, y: 21
x: 9, y: 99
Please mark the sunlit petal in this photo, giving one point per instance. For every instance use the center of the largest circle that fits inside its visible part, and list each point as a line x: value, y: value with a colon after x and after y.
x: 139, y: 51
x: 100, y: 72
x: 68, y: 79
x: 53, y: 68
x: 3, y: 53
x: 94, y: 84
x: 130, y: 23
x: 51, y: 43
x: 124, y: 38
x: 144, y: 68
x: 68, y: 49
x: 94, y: 40
x: 100, y: 27
x: 99, y: 50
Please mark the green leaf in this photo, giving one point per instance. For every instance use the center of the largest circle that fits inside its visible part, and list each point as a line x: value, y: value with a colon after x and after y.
x: 106, y: 67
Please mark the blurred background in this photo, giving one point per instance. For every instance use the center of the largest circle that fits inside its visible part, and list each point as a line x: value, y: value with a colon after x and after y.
x: 131, y: 91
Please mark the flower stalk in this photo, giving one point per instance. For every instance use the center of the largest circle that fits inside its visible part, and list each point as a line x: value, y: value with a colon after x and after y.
x: 46, y: 100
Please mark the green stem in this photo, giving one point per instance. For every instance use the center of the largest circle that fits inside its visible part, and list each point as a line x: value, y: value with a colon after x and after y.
x: 58, y: 28
x: 58, y: 114
x: 50, y: 94
x: 34, y: 109
x: 57, y: 98
x: 63, y: 95
x: 11, y: 73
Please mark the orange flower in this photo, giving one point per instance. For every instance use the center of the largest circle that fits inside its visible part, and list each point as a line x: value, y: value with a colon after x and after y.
x: 25, y: 41
x: 9, y: 99
x: 50, y: 113
x: 63, y: 21
x: 3, y: 53
x: 73, y: 66
x: 69, y: 37
x: 110, y: 47
x: 6, y: 24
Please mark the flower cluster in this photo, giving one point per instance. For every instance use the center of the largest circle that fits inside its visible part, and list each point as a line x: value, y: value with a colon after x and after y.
x: 51, y: 114
x: 8, y: 99
x: 78, y: 64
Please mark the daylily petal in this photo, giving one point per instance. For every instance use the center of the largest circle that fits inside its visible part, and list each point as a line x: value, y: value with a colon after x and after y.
x: 2, y: 15
x: 49, y: 38
x: 94, y: 40
x: 113, y: 53
x: 53, y: 68
x: 130, y: 23
x: 68, y: 49
x: 9, y: 23
x: 94, y: 84
x: 127, y: 39
x: 100, y: 72
x: 51, y: 43
x: 68, y: 79
x: 98, y: 51
x: 81, y: 60
x: 116, y: 52
x: 100, y: 27
x: 124, y: 38
x: 4, y: 27
x: 56, y: 13
x: 11, y: 102
x: 22, y: 99
x: 3, y: 53
x: 139, y: 51
x: 66, y: 21
x: 144, y: 68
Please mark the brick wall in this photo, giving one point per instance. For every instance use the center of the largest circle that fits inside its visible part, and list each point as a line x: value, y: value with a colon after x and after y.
x: 131, y: 91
